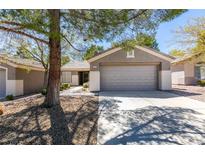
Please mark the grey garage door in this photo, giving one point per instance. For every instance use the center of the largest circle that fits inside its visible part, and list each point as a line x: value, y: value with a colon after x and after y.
x: 128, y: 77
x: 2, y: 83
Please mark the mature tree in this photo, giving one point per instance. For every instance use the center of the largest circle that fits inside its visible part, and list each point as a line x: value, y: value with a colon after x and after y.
x: 177, y: 53
x: 91, y: 51
x: 147, y: 40
x: 141, y: 39
x: 192, y: 38
x: 49, y: 26
x: 55, y: 58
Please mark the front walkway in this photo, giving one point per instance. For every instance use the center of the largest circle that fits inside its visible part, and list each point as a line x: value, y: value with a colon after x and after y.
x: 76, y: 91
x: 151, y: 117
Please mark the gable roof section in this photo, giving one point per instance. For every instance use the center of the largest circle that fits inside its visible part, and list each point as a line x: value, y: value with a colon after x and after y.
x: 76, y: 66
x: 187, y: 57
x: 22, y: 63
x: 145, y: 49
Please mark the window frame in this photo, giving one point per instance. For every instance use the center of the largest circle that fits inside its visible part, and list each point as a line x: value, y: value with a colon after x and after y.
x: 198, y: 71
x: 132, y: 55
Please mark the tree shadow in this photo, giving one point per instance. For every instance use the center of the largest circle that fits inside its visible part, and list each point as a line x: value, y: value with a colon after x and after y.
x: 109, y: 104
x: 153, y: 125
x: 67, y: 123
x: 183, y: 93
x: 148, y: 94
x: 59, y: 129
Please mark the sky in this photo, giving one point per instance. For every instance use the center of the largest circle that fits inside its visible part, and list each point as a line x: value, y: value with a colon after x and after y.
x: 165, y: 33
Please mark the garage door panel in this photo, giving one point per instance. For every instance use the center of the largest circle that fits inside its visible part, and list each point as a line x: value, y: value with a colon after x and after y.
x: 128, y: 77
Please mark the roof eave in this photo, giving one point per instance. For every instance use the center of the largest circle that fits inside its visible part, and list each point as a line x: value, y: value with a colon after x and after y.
x: 21, y: 66
x: 139, y: 47
x: 75, y: 69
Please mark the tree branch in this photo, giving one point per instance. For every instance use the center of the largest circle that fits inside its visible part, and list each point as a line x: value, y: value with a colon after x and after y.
x: 45, y: 65
x: 71, y: 43
x: 11, y: 23
x: 24, y: 34
x: 23, y: 26
x: 83, y: 17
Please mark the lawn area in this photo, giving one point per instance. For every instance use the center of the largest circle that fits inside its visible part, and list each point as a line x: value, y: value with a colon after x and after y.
x: 74, y: 121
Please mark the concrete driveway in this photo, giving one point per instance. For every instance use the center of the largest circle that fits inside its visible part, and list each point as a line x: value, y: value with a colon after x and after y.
x: 151, y: 117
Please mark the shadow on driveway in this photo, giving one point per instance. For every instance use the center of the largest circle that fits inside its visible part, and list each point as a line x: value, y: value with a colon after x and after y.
x: 153, y: 125
x: 148, y: 94
x: 149, y: 124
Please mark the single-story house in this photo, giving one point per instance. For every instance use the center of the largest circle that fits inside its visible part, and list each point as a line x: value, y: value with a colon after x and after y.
x: 186, y: 71
x: 115, y: 69
x: 19, y: 76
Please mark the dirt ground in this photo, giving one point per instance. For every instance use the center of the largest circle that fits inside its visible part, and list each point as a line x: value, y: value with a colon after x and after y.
x: 194, y: 92
x: 74, y: 121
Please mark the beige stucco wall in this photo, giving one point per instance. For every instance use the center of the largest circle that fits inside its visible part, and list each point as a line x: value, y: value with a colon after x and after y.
x: 32, y: 80
x: 165, y: 82
x: 21, y: 81
x: 183, y: 73
x: 178, y: 74
x: 121, y: 56
x: 11, y: 71
x: 189, y: 70
x: 94, y: 78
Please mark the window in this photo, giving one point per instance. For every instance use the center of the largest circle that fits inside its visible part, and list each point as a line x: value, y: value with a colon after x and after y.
x: 66, y: 77
x: 131, y: 54
x: 197, y: 72
x: 203, y: 73
x: 200, y: 72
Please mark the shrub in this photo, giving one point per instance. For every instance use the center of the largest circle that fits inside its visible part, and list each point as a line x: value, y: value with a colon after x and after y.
x: 61, y: 87
x: 64, y: 86
x: 85, y: 85
x: 1, y: 108
x: 9, y: 97
x: 44, y: 91
x: 201, y: 82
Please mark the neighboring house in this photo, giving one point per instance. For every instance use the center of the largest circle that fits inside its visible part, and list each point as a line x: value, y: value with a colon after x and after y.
x: 115, y: 69
x: 75, y: 73
x: 186, y: 71
x: 19, y: 76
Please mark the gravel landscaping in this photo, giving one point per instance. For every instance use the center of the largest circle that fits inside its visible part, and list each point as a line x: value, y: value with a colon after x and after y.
x: 194, y: 92
x: 74, y: 121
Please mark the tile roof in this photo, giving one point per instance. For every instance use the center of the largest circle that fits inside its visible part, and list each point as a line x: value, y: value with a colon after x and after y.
x: 185, y: 58
x: 164, y: 54
x: 20, y: 61
x: 84, y: 65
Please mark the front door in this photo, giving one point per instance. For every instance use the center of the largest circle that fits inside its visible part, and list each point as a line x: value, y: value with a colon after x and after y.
x: 83, y: 77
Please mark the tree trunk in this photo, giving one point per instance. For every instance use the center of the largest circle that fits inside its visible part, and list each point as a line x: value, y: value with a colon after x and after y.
x: 45, y: 82
x: 53, y: 87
